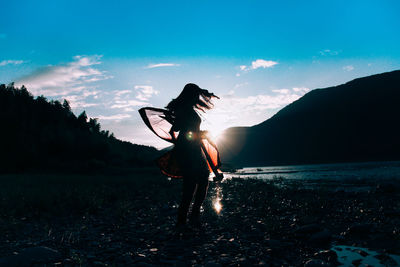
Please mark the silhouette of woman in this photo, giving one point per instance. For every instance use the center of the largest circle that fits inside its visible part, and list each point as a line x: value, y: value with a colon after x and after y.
x: 190, y: 156
x: 194, y: 155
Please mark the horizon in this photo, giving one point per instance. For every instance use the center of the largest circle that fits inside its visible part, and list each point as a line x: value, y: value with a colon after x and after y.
x: 143, y: 56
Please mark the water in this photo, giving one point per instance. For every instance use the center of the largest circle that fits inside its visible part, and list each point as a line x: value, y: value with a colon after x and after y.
x: 340, y: 171
x: 365, y: 256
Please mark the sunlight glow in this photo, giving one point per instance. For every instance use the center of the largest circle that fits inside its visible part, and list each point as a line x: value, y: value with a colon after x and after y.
x: 215, y: 135
x: 217, y: 205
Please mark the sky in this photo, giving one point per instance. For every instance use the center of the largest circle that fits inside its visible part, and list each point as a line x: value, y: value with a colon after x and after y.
x: 110, y: 58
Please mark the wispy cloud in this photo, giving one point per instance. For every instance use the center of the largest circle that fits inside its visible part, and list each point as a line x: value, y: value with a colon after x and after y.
x: 250, y: 110
x: 160, y: 65
x: 115, y: 117
x: 65, y: 78
x: 145, y: 92
x: 80, y: 100
x: 122, y: 92
x: 348, y: 68
x: 281, y: 91
x: 261, y: 101
x: 328, y: 52
x: 259, y: 63
x: 123, y: 98
x: 301, y: 89
x: 11, y: 62
x: 128, y: 104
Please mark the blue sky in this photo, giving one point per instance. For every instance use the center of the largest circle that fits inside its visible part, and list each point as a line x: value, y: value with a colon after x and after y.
x: 112, y: 57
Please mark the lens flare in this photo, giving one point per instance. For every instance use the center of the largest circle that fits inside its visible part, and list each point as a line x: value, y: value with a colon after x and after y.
x: 189, y: 135
x: 217, y: 205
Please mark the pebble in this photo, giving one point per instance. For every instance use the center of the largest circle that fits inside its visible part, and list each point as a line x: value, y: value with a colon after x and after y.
x: 321, y: 238
x: 30, y: 256
x: 316, y: 263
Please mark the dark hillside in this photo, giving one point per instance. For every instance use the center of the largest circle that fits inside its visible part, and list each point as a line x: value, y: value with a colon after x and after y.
x: 37, y: 134
x: 356, y: 121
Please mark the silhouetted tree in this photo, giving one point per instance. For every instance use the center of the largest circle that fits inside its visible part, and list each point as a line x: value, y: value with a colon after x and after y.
x: 38, y: 134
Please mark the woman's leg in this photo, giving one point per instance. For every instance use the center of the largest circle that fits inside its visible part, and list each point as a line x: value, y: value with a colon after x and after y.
x: 201, y: 192
x: 189, y: 186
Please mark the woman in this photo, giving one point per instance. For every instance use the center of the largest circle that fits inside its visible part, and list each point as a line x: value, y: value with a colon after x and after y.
x: 194, y: 155
x: 188, y: 148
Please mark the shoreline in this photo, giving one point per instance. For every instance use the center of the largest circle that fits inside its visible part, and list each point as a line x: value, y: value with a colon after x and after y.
x: 127, y: 221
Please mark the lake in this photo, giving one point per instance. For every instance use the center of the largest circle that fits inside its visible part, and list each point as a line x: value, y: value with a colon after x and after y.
x: 363, y: 170
x: 339, y: 176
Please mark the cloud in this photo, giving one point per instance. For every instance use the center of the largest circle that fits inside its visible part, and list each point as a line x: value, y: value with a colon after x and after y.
x: 122, y: 92
x: 145, y: 92
x: 77, y: 100
x: 113, y: 117
x: 11, y: 62
x: 281, y: 91
x: 233, y: 110
x: 348, y: 68
x: 301, y: 89
x: 259, y: 102
x: 241, y: 85
x: 160, y: 65
x: 122, y: 99
x: 64, y: 78
x: 128, y: 103
x: 328, y: 52
x: 259, y: 63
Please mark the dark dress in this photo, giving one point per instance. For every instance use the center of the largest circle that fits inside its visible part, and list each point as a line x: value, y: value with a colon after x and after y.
x: 189, y: 154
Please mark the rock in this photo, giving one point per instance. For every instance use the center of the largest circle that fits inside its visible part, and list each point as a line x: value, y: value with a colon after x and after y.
x: 30, y: 256
x: 316, y: 263
x: 98, y: 263
x: 308, y: 229
x: 212, y: 264
x: 362, y: 252
x: 357, y: 262
x: 144, y: 264
x: 67, y: 263
x: 329, y: 256
x: 360, y: 229
x: 273, y: 244
x: 225, y: 260
x: 386, y: 260
x: 321, y: 238
x: 126, y: 259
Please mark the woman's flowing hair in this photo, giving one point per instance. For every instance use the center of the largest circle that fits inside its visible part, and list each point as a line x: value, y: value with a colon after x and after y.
x: 192, y: 96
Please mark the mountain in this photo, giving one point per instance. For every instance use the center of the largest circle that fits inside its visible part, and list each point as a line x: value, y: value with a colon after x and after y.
x: 37, y: 134
x: 356, y: 121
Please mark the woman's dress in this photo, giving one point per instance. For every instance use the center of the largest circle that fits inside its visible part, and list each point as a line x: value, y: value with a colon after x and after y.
x: 187, y: 157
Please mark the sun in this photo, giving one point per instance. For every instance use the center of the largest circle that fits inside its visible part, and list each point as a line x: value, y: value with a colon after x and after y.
x: 215, y: 134
x: 215, y: 129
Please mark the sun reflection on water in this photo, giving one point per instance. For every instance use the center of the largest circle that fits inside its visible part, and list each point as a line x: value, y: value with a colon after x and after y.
x: 217, y: 205
x: 217, y: 201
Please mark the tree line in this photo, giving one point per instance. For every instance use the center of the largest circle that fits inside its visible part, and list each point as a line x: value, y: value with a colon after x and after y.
x: 37, y: 133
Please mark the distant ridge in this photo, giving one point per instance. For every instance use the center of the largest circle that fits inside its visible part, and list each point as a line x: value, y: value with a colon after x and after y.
x: 355, y: 121
x: 37, y: 134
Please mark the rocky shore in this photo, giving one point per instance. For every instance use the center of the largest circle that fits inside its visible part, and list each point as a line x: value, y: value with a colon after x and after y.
x: 272, y: 223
